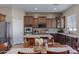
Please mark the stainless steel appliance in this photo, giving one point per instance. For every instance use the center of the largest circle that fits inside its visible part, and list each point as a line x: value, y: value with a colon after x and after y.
x: 28, y: 30
x: 4, y: 32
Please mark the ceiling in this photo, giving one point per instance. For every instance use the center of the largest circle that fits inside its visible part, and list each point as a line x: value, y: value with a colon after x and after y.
x: 41, y: 7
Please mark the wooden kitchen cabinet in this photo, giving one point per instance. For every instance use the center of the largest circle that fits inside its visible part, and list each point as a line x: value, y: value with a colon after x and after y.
x: 48, y: 23
x: 63, y: 39
x: 26, y: 20
x: 66, y: 40
x: 42, y: 19
x: 53, y: 23
x: 74, y: 43
x: 2, y: 17
x: 36, y: 21
x: 29, y: 21
x: 60, y: 22
x: 55, y: 37
x: 59, y: 38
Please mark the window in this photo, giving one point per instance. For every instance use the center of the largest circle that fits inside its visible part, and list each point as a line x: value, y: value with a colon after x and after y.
x: 71, y: 23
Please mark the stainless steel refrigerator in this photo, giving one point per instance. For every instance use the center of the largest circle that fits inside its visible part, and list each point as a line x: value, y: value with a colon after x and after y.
x: 4, y: 32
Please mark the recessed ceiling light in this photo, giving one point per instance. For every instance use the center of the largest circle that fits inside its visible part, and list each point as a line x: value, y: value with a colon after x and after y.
x: 35, y: 8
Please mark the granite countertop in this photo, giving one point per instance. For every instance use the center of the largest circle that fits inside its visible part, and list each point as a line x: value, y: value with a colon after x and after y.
x: 47, y: 34
x: 71, y: 35
x: 40, y: 35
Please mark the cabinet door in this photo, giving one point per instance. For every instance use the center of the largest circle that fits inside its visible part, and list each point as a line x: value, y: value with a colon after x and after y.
x: 63, y: 39
x: 56, y: 37
x: 68, y: 40
x: 31, y: 20
x: 28, y: 21
x: 60, y: 22
x: 42, y: 19
x: 36, y: 21
x: 53, y: 25
x: 74, y: 43
x: 60, y: 38
x: 48, y: 23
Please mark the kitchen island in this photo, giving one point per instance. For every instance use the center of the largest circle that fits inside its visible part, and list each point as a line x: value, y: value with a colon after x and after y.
x: 30, y: 40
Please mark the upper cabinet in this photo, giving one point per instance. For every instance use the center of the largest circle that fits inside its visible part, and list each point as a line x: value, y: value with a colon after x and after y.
x: 42, y: 19
x: 28, y: 21
x: 63, y: 22
x: 60, y: 22
x: 49, y: 23
x: 36, y: 21
x: 53, y: 23
x: 2, y: 17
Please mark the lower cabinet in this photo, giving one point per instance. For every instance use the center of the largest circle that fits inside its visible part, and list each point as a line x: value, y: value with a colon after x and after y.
x: 74, y: 43
x: 60, y: 38
x: 67, y: 40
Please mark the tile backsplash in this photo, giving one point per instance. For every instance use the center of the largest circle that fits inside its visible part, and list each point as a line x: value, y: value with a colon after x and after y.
x: 45, y: 30
x: 52, y: 30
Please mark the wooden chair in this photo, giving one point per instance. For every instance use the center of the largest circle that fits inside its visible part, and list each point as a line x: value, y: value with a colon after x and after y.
x: 51, y: 42
x: 30, y: 42
x: 63, y: 52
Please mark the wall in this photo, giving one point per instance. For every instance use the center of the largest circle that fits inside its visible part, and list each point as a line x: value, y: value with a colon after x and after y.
x: 18, y: 24
x: 8, y: 12
x: 15, y: 17
x: 73, y: 10
x: 49, y: 15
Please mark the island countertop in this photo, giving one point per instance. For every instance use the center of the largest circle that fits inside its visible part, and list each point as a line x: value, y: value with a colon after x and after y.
x: 39, y: 35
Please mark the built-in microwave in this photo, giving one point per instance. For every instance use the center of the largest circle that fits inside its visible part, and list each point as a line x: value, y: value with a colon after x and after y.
x: 28, y: 30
